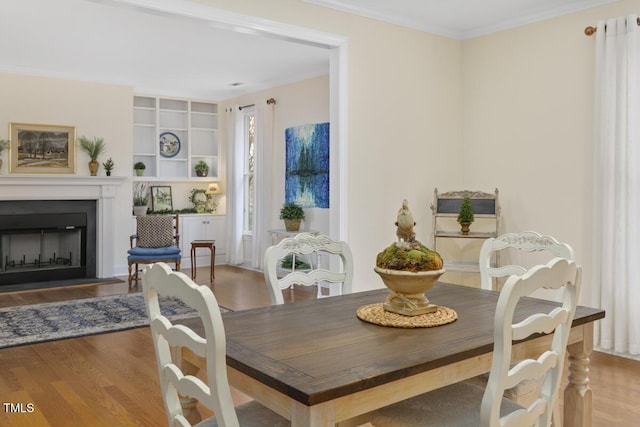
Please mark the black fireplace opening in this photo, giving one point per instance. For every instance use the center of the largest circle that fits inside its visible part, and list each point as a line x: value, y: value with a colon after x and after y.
x: 42, y: 241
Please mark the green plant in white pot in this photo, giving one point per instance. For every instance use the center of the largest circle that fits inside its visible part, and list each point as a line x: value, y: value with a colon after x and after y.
x: 140, y: 199
x: 292, y: 214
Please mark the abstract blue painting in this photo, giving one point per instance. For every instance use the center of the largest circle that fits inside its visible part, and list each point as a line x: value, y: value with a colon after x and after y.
x: 307, y: 165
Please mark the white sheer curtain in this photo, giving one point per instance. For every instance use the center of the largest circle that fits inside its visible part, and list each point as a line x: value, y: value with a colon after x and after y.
x: 263, y: 167
x: 235, y: 190
x: 616, y: 246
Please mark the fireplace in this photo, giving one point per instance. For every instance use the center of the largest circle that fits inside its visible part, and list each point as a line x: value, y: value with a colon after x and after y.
x: 47, y: 240
x: 50, y: 189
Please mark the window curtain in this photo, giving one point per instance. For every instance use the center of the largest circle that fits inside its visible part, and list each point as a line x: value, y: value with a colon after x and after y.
x: 235, y: 148
x: 263, y: 187
x: 616, y: 242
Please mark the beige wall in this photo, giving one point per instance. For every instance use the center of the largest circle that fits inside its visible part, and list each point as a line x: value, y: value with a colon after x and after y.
x: 300, y: 103
x: 404, y: 120
x: 404, y: 129
x: 527, y: 124
x: 510, y: 110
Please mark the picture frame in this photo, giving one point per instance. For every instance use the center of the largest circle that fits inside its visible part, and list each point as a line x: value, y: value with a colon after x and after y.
x: 161, y: 199
x: 42, y: 149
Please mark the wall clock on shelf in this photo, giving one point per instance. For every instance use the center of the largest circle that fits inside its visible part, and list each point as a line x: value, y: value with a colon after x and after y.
x: 169, y: 144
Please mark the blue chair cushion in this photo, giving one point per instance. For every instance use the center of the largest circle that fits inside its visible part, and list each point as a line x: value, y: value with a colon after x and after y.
x: 146, y: 254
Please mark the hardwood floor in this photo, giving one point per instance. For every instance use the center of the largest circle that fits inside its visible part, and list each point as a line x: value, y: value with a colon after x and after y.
x: 111, y: 379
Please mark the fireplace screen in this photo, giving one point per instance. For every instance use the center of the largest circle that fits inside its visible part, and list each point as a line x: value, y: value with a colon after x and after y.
x: 44, y: 247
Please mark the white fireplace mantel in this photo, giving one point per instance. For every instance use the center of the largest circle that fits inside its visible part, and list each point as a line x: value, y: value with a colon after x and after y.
x: 66, y: 187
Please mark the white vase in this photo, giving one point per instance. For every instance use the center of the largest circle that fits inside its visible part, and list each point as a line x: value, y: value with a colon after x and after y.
x: 139, y: 210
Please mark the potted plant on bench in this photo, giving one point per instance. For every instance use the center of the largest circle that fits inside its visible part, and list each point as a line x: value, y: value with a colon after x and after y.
x: 465, y: 215
x: 292, y: 214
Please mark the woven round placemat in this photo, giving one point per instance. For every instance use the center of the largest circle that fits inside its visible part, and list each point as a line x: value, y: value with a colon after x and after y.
x: 376, y: 314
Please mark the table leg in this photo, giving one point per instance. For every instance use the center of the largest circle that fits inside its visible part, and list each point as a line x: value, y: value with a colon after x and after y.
x: 193, y: 262
x: 578, y: 398
x: 213, y: 262
x: 322, y: 415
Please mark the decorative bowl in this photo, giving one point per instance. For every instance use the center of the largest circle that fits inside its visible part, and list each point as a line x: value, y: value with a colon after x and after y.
x: 408, y: 290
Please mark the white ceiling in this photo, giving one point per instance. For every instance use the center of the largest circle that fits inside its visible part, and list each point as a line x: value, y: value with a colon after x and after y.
x: 158, y: 53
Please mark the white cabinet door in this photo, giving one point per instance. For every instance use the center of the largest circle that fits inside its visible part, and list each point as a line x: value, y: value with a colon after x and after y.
x: 203, y: 227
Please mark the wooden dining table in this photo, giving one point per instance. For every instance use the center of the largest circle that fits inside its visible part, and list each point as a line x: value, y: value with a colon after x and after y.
x: 315, y: 363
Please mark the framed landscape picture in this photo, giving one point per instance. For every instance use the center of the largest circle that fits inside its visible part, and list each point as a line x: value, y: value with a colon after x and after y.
x: 161, y: 199
x: 42, y: 148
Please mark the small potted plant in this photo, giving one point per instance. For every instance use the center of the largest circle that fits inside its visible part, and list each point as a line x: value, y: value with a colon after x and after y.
x: 202, y: 168
x: 139, y: 167
x: 93, y: 148
x: 140, y: 199
x: 292, y: 214
x: 465, y: 215
x: 3, y: 144
x: 108, y: 166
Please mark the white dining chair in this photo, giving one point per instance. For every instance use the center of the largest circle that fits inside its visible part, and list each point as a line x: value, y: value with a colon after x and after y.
x: 336, y: 255
x: 464, y: 404
x: 540, y: 248
x: 159, y: 280
x: 526, y: 241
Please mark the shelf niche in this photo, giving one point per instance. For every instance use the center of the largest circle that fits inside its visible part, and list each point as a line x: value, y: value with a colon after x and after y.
x: 192, y: 124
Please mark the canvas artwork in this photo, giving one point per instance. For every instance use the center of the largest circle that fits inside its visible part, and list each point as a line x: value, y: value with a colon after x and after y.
x: 307, y: 165
x: 41, y: 148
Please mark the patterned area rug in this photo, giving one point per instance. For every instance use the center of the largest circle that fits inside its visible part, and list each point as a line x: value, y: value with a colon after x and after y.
x: 30, y: 324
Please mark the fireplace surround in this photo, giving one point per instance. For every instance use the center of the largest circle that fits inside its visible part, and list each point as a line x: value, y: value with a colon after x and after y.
x: 101, y: 191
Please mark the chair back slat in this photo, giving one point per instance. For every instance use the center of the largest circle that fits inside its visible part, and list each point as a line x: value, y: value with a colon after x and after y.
x: 527, y: 241
x: 309, y: 245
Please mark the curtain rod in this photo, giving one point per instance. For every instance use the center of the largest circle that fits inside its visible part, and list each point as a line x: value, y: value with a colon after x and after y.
x: 269, y: 102
x: 592, y: 30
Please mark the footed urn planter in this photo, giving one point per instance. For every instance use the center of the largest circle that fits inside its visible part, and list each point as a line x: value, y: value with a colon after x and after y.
x: 465, y: 227
x: 408, y: 290
x: 409, y: 269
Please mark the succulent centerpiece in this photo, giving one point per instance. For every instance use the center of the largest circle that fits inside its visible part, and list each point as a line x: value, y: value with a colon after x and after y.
x: 409, y: 269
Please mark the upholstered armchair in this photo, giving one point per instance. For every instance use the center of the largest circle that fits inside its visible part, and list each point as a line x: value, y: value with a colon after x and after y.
x: 156, y: 240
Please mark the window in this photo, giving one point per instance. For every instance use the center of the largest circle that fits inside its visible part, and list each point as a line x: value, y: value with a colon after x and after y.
x: 249, y: 127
